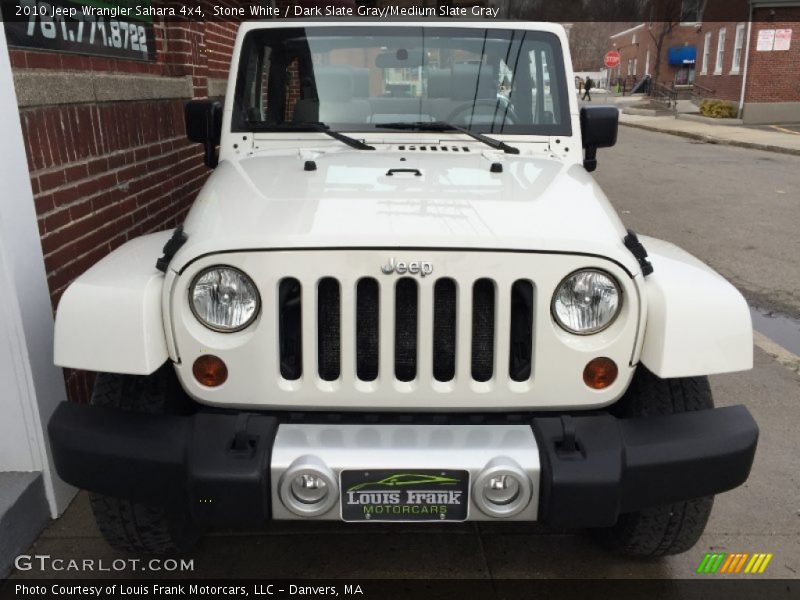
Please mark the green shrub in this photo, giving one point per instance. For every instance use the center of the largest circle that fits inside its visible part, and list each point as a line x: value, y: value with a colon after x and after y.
x: 718, y: 109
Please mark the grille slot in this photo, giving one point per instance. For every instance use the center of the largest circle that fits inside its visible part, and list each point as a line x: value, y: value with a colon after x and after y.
x: 479, y: 330
x: 329, y: 333
x: 483, y: 302
x: 290, y: 337
x: 444, y: 330
x: 521, y: 340
x: 367, y: 329
x: 405, y: 329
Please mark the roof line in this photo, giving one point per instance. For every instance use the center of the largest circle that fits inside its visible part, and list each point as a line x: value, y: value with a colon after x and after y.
x: 629, y: 30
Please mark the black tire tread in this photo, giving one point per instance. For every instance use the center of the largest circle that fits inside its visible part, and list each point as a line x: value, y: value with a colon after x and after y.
x: 133, y: 526
x: 671, y: 528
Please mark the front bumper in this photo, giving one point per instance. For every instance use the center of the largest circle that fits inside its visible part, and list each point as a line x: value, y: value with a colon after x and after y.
x: 224, y: 468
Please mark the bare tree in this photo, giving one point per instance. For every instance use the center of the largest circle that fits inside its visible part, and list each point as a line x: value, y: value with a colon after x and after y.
x: 573, y: 11
x: 588, y: 43
x: 665, y: 15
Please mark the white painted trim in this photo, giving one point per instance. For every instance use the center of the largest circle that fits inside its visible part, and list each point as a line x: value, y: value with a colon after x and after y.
x: 19, y: 449
x: 627, y: 31
x: 736, y: 69
x: 27, y: 310
x: 706, y: 56
x: 746, y: 61
x: 719, y: 57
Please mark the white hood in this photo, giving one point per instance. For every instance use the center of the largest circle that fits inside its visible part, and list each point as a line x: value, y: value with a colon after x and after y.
x: 269, y: 201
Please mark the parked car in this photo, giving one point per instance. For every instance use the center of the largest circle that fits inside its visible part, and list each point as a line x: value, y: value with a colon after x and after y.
x: 418, y: 308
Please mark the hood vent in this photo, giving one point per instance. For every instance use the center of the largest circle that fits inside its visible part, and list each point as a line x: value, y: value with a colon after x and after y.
x: 433, y: 148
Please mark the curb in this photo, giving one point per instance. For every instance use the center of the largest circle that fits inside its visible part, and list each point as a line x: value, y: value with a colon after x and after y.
x: 779, y: 353
x: 715, y: 140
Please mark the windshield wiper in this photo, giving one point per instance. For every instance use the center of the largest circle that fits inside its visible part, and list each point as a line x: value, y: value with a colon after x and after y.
x: 311, y: 126
x: 444, y: 126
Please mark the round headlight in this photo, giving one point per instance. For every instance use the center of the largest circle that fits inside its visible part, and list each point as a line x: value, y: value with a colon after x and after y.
x: 587, y: 301
x: 224, y: 299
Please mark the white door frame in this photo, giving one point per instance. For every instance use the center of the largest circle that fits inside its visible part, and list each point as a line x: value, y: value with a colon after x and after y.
x: 32, y: 385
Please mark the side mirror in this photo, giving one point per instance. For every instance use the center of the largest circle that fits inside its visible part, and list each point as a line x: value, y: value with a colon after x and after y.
x: 204, y: 125
x: 599, y: 126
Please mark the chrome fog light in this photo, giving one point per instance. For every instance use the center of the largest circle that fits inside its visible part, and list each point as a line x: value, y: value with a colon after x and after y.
x: 308, y: 487
x: 502, y: 489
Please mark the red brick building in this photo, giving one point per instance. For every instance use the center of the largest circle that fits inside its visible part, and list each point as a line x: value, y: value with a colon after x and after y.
x: 744, y: 52
x: 772, y: 87
x: 638, y: 50
x: 106, y: 146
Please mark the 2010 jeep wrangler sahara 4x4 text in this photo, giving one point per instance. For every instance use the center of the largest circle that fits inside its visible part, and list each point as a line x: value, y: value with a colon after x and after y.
x: 400, y: 296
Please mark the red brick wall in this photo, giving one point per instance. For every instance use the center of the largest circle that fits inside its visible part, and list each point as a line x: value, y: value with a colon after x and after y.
x: 775, y: 76
x: 219, y: 39
x: 724, y: 85
x: 104, y: 173
x: 630, y: 46
x: 645, y: 38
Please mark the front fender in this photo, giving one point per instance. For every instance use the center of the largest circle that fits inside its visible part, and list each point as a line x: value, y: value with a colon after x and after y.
x: 697, y: 322
x: 109, y: 319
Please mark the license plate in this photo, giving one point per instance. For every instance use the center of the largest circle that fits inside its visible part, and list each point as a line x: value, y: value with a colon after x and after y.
x: 404, y: 495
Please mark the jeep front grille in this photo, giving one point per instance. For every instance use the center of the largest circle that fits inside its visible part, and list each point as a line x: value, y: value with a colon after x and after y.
x: 338, y: 331
x: 423, y: 323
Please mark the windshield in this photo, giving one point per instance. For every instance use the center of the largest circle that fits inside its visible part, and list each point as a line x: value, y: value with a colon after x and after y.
x: 358, y: 78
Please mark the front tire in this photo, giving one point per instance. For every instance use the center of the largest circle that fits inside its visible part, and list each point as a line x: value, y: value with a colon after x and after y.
x: 133, y: 526
x: 671, y: 528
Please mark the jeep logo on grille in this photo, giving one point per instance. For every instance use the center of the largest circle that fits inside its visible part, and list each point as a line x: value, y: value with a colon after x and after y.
x: 401, y: 267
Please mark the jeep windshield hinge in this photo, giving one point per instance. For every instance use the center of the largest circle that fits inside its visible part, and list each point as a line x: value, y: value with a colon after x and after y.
x: 172, y: 246
x: 636, y: 248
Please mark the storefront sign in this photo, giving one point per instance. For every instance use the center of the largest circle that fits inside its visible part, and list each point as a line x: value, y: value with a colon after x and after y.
x: 766, y: 39
x: 122, y: 29
x: 783, y: 39
x: 682, y: 55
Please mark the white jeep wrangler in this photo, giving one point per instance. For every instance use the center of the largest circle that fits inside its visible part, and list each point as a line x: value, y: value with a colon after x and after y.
x: 400, y: 296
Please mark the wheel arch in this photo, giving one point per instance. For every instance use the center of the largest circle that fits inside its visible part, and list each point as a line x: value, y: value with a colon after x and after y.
x: 109, y: 319
x: 697, y: 322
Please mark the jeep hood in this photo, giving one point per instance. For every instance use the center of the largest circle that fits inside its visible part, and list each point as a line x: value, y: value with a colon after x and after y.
x: 351, y: 200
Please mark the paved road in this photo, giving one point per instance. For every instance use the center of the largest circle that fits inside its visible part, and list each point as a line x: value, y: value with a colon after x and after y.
x: 737, y: 209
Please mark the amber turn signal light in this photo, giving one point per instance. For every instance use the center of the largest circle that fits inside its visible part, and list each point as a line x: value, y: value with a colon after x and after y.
x: 210, y: 371
x: 600, y: 373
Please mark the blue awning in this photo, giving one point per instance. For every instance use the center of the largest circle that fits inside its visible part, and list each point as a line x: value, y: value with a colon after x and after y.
x: 682, y: 55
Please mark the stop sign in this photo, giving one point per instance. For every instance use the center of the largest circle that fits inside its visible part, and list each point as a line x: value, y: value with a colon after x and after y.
x: 612, y: 59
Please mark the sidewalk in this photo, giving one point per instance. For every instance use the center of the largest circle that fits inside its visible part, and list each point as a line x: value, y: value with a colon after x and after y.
x: 745, y: 137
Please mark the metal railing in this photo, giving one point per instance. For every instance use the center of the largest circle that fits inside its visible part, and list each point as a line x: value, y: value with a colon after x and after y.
x: 700, y: 92
x: 664, y: 94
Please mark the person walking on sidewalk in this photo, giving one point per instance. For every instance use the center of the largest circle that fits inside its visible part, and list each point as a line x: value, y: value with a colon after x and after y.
x: 587, y: 86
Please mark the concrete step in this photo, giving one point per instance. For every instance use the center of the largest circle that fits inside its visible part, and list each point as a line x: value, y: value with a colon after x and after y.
x: 648, y: 112
x: 23, y: 515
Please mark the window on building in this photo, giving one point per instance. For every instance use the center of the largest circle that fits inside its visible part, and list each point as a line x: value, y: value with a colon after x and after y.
x: 720, y: 51
x: 738, y: 44
x: 690, y: 11
x: 635, y: 66
x: 633, y: 39
x: 647, y: 63
x: 706, y: 53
